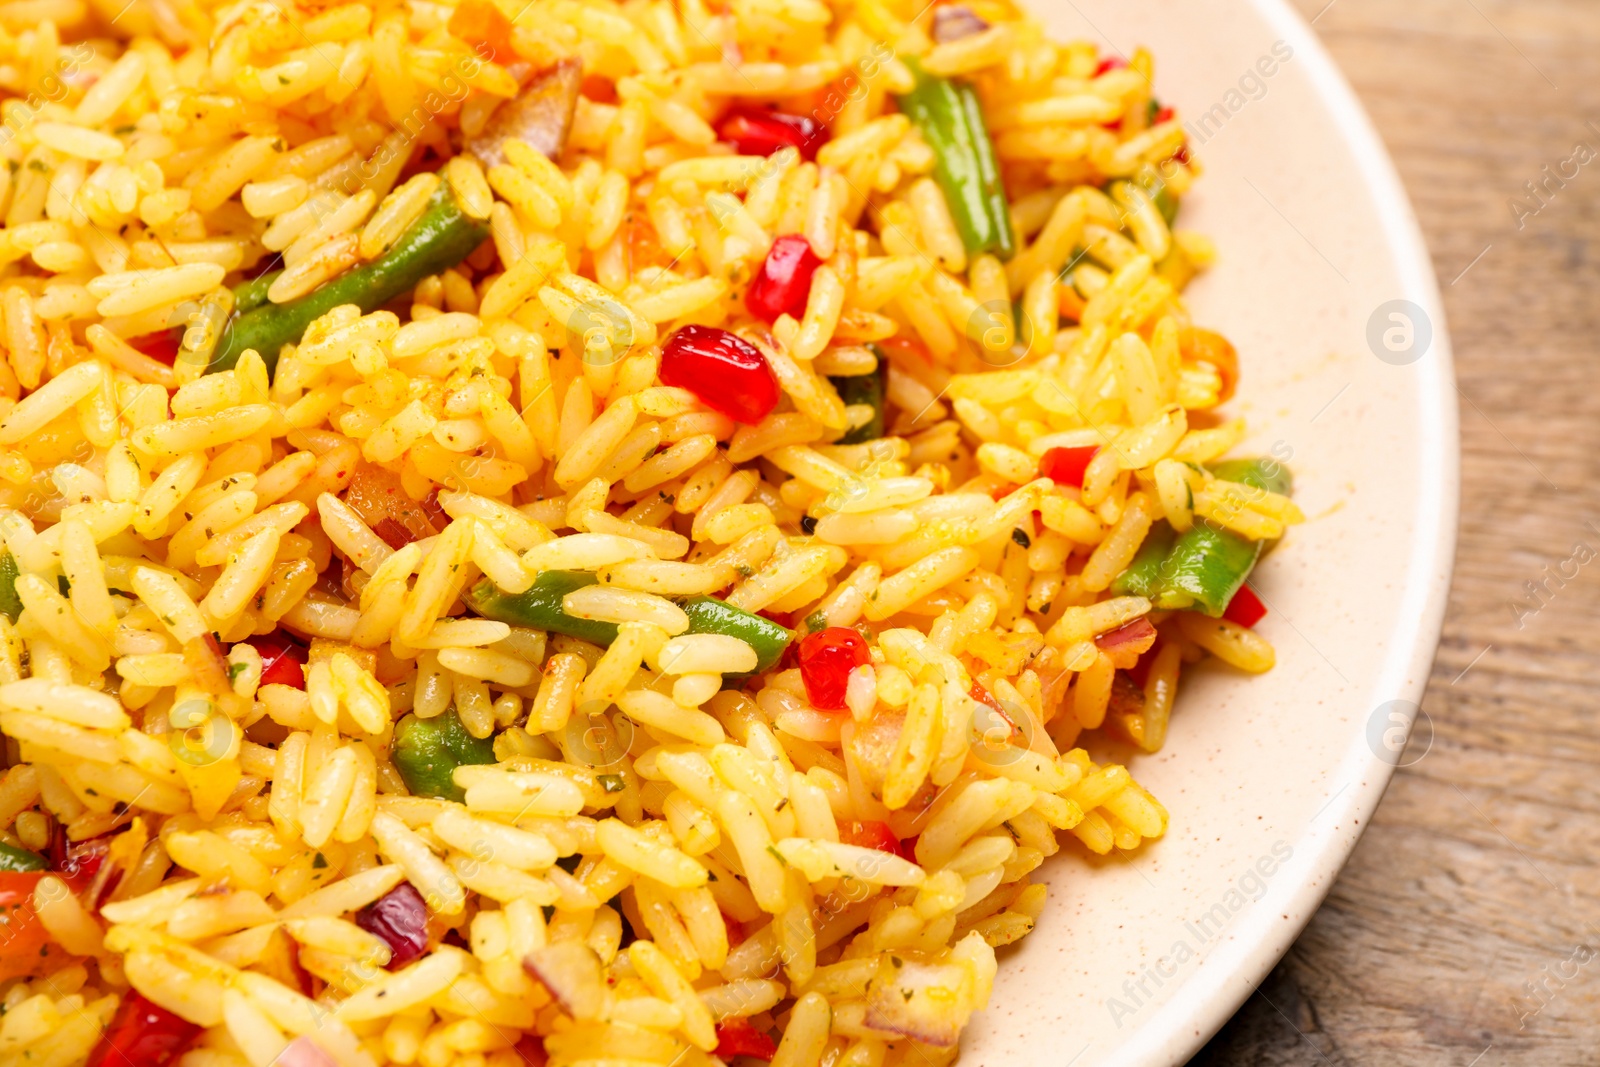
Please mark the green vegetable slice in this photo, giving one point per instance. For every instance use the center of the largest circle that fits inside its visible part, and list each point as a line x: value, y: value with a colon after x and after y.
x: 950, y: 119
x: 865, y: 389
x: 540, y: 608
x: 20, y: 859
x: 1262, y: 473
x: 10, y: 603
x: 440, y: 239
x: 428, y: 751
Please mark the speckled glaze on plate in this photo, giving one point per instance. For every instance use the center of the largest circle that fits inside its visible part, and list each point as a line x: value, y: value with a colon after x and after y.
x: 1326, y: 288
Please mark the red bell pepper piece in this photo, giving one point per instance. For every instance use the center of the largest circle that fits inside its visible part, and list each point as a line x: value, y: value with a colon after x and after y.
x: 783, y: 284
x: 727, y: 373
x: 282, y: 659
x: 757, y: 131
x: 1245, y: 609
x: 161, y: 346
x: 1066, y: 466
x: 736, y: 1037
x: 142, y: 1033
x: 26, y: 948
x: 870, y: 833
x: 826, y: 659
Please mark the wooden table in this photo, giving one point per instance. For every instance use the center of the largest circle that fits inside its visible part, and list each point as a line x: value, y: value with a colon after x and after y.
x: 1466, y: 929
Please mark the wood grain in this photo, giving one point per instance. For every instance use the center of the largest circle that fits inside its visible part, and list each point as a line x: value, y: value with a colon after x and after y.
x: 1466, y: 929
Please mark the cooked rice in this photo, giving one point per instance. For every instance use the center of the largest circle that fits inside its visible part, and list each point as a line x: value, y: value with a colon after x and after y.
x: 664, y: 845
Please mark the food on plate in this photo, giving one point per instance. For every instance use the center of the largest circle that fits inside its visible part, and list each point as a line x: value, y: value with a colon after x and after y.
x: 573, y: 532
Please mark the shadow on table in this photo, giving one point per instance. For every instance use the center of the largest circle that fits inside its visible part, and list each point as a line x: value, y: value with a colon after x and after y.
x: 1276, y: 1027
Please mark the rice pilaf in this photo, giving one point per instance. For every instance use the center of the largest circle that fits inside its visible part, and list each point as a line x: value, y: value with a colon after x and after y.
x: 558, y: 531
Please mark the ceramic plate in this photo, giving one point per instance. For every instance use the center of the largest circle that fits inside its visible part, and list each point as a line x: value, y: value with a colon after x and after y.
x: 1324, y: 285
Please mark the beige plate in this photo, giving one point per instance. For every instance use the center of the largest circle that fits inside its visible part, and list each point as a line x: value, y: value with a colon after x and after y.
x: 1324, y: 285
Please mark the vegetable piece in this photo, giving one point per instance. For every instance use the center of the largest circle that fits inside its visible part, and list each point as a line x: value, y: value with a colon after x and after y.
x: 1109, y: 63
x: 826, y: 660
x: 479, y: 22
x: 304, y: 1052
x: 440, y: 239
x: 869, y: 833
x: 951, y: 22
x: 1205, y: 569
x: 783, y: 284
x: 708, y: 615
x: 1205, y: 346
x: 283, y: 659
x: 1245, y: 609
x: 865, y: 389
x: 531, y: 1051
x: 737, y: 1037
x: 727, y: 373
x: 756, y: 131
x: 247, y: 296
x: 29, y: 949
x: 10, y: 602
x: 428, y: 751
x: 997, y: 728
x: 143, y: 1033
x: 1127, y: 643
x: 572, y: 973
x: 1262, y: 473
x: 1143, y: 575
x: 400, y: 919
x: 20, y: 859
x: 1066, y: 466
x: 383, y: 504
x: 922, y: 1001
x: 950, y: 119
x: 540, y: 608
x: 1159, y: 192
x: 77, y: 862
x: 540, y: 116
x: 161, y: 346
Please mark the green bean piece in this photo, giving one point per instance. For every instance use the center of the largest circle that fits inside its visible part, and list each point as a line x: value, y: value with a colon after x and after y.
x: 708, y: 615
x: 865, y: 389
x: 428, y: 751
x: 1261, y: 473
x: 950, y: 119
x: 539, y: 606
x: 247, y: 296
x: 440, y: 239
x: 1205, y: 567
x: 1143, y: 576
x: 20, y: 859
x: 10, y: 603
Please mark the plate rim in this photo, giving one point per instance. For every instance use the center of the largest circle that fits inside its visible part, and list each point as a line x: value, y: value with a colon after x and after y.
x: 1199, y: 1009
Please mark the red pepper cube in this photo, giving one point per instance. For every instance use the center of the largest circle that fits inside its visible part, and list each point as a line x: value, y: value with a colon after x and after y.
x: 783, y: 284
x: 1066, y: 466
x: 1110, y: 63
x: 757, y: 131
x: 282, y: 659
x: 144, y: 1033
x: 1245, y: 609
x: 727, y: 373
x: 869, y: 833
x: 738, y: 1037
x: 161, y: 346
x: 826, y: 659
